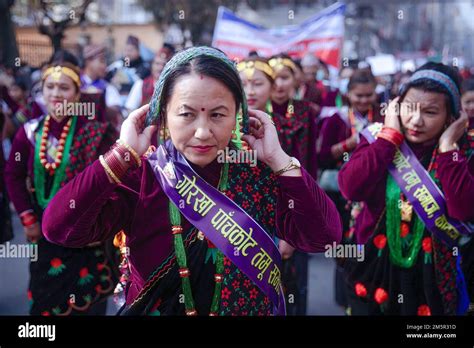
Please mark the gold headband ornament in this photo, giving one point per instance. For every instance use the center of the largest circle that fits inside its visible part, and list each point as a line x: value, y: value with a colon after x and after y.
x: 249, y: 68
x: 280, y: 63
x: 56, y: 72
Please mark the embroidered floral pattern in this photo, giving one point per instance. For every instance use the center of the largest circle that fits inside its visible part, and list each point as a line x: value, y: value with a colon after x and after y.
x: 240, y: 296
x: 93, y: 277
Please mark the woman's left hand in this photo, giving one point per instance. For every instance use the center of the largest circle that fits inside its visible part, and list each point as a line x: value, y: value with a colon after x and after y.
x: 263, y: 139
x: 453, y: 133
x: 286, y: 250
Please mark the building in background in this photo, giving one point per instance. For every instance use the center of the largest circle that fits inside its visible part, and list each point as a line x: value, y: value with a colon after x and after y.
x: 108, y: 22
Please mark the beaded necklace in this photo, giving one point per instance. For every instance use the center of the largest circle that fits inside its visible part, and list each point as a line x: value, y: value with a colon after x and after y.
x: 51, y: 167
x: 56, y: 169
x: 184, y: 273
x: 399, y: 217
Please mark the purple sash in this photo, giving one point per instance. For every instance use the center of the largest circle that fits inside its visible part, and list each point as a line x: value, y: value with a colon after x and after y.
x: 224, y: 223
x: 427, y: 199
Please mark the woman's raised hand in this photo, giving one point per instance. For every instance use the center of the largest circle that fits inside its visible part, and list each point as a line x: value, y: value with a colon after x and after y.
x: 133, y: 132
x: 392, y: 115
x: 453, y: 133
x: 263, y: 138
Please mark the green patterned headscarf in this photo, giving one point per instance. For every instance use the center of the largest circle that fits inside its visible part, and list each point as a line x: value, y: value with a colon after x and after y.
x: 182, y: 58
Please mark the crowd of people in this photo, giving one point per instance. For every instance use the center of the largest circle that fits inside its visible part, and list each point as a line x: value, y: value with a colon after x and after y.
x: 347, y: 158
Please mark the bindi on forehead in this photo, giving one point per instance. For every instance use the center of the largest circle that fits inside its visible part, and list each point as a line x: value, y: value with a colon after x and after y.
x: 184, y: 107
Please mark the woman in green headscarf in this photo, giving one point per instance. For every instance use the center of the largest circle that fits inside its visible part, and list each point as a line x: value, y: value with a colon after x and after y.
x: 178, y: 264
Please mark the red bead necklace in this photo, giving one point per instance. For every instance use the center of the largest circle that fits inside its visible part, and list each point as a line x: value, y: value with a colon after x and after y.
x: 51, y: 167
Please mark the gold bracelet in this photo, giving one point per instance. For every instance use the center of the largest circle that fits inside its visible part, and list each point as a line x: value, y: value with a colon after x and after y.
x: 293, y: 164
x: 132, y: 151
x: 108, y: 170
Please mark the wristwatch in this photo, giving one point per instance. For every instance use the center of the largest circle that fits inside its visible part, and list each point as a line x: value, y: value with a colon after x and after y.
x: 293, y: 164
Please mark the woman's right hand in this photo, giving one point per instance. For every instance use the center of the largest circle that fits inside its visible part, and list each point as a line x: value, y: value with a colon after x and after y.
x: 132, y: 132
x: 392, y: 115
x: 33, y: 232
